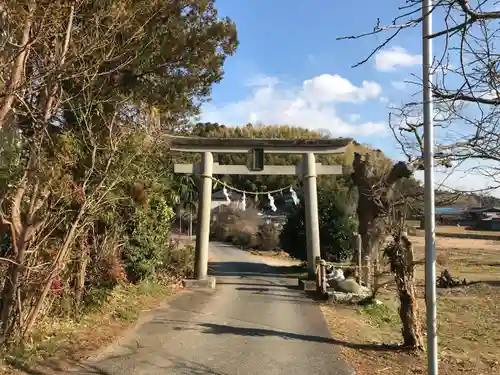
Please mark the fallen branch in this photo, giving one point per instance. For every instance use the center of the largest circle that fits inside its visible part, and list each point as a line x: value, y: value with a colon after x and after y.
x: 445, y: 280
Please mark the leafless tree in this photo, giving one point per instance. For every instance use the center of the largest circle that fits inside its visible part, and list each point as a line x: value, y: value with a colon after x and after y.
x: 465, y: 88
x: 381, y: 213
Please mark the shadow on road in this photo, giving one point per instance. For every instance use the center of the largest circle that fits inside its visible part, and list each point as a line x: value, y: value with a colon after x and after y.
x: 262, y: 290
x: 276, y: 293
x: 253, y: 269
x: 217, y: 329
x: 53, y: 367
x: 169, y: 364
x: 267, y: 284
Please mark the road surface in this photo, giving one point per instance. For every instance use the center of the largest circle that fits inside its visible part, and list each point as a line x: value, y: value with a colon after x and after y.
x: 255, y: 322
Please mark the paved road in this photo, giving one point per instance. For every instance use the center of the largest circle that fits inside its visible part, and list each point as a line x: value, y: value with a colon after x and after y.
x: 255, y: 322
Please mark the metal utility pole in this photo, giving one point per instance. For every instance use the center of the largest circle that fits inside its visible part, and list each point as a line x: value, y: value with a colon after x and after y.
x: 429, y: 209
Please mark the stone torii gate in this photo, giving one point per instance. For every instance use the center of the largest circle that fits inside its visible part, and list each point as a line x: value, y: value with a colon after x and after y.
x: 308, y: 170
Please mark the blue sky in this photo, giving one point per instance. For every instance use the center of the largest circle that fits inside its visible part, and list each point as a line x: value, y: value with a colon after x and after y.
x: 290, y: 69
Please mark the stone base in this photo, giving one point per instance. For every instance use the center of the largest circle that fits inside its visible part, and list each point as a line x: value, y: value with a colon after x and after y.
x: 345, y: 298
x: 208, y: 283
x: 307, y: 285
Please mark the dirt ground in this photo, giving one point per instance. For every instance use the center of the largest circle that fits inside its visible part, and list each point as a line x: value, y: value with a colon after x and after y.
x: 453, y: 229
x: 468, y: 317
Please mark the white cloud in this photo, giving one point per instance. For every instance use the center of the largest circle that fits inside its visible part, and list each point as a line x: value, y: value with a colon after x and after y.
x: 327, y: 88
x: 470, y: 176
x: 388, y: 60
x: 312, y: 105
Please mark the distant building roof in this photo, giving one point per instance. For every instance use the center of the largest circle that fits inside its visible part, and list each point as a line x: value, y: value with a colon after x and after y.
x: 448, y: 210
x: 219, y: 195
x: 459, y: 210
x: 483, y: 209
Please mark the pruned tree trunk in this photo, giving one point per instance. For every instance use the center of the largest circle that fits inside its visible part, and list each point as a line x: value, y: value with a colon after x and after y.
x: 375, y: 195
x: 375, y: 210
x: 401, y: 255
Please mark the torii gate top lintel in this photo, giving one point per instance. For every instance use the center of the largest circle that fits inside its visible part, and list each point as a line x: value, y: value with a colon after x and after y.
x: 270, y: 145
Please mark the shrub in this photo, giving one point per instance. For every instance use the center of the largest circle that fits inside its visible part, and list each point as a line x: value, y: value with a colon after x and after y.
x: 336, y: 227
x: 238, y: 227
x: 179, y: 260
x: 269, y: 236
x: 245, y: 239
x: 147, y: 240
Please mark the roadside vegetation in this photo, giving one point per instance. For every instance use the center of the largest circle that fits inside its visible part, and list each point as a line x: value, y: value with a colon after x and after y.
x: 87, y: 190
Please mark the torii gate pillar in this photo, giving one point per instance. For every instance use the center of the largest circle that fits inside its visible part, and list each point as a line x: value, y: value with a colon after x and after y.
x: 308, y: 169
x: 203, y: 227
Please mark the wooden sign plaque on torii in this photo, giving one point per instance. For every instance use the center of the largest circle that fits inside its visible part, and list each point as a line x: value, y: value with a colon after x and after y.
x: 308, y: 170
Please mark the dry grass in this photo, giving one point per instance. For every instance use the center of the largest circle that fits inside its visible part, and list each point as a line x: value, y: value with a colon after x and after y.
x: 463, y: 232
x: 468, y: 317
x: 183, y: 239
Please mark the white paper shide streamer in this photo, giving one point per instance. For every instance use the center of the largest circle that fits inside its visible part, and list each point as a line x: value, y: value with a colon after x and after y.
x: 226, y: 194
x: 243, y: 205
x: 271, y: 202
x: 295, y: 199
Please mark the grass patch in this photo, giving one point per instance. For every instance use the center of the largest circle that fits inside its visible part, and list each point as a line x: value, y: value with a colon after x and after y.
x: 61, y: 343
x: 380, y: 315
x: 462, y: 232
